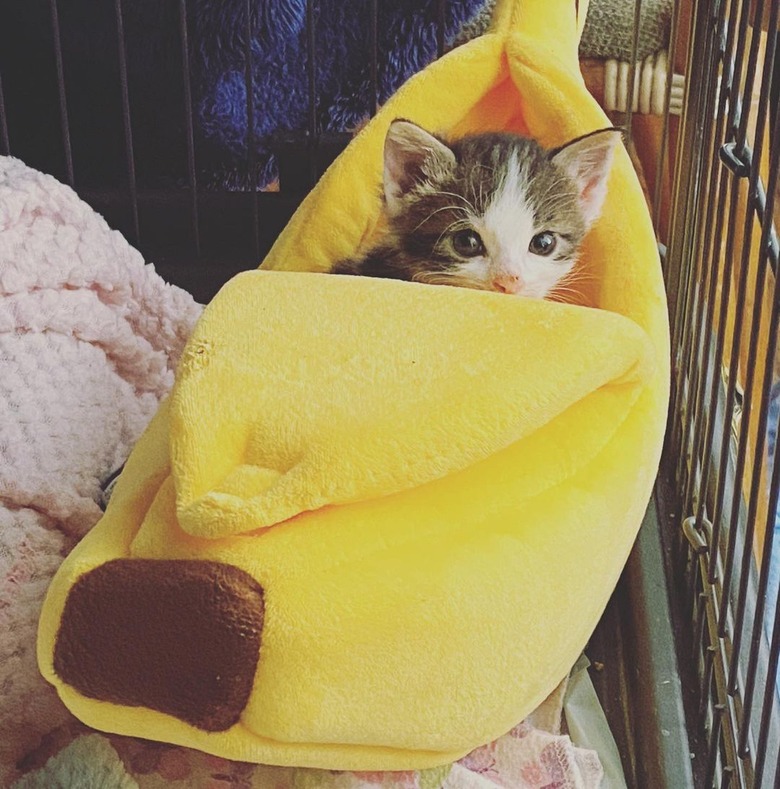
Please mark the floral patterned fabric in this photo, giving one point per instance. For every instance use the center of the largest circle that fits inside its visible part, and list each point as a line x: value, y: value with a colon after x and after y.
x: 533, y: 755
x: 525, y: 758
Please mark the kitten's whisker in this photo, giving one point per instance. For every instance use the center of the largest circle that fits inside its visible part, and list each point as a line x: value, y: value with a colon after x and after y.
x: 474, y: 193
x: 459, y: 197
x: 481, y: 199
x: 560, y: 291
x: 446, y: 278
x: 564, y: 282
x: 578, y: 270
x: 576, y: 280
x: 438, y: 210
x: 547, y: 200
x: 566, y: 295
x: 561, y: 298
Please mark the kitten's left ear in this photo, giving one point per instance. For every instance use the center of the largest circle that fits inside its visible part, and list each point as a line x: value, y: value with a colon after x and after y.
x: 587, y: 161
x: 413, y: 157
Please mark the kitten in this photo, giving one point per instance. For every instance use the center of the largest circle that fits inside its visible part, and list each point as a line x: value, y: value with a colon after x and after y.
x: 491, y: 211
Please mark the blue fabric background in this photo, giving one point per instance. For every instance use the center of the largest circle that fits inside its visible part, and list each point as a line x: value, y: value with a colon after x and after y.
x: 406, y: 39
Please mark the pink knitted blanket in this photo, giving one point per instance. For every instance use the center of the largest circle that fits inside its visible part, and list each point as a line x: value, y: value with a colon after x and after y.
x: 89, y: 340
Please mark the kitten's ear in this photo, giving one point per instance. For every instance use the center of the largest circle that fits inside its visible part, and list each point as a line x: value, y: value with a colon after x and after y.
x: 412, y: 156
x: 587, y: 160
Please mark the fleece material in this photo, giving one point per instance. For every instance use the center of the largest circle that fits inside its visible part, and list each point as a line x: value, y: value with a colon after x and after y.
x: 435, y: 488
x: 407, y: 40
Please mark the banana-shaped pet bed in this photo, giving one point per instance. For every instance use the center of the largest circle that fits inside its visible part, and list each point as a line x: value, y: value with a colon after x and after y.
x: 376, y: 522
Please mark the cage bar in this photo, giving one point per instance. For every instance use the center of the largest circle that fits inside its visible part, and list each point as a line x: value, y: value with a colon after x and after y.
x: 441, y: 23
x: 311, y: 72
x: 251, y: 149
x: 5, y: 145
x: 769, y: 702
x: 663, y: 152
x: 373, y: 54
x: 126, y: 121
x: 632, y: 73
x: 64, y: 123
x: 192, y: 177
x: 721, y: 395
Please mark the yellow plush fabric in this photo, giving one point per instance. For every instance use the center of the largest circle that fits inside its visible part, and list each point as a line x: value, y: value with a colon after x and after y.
x: 435, y: 487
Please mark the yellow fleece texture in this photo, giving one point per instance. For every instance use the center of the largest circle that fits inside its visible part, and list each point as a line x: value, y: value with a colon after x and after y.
x: 437, y: 488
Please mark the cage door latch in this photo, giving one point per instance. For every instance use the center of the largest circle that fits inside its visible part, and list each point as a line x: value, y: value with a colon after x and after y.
x: 737, y: 161
x: 694, y: 536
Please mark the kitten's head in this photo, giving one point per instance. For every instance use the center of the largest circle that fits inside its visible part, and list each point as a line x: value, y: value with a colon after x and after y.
x: 492, y: 211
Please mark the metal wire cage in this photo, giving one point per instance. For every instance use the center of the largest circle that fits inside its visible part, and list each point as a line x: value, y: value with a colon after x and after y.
x: 699, y: 595
x: 721, y: 468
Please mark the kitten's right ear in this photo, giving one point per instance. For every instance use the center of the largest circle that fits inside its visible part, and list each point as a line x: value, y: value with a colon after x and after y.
x: 412, y: 157
x: 587, y: 160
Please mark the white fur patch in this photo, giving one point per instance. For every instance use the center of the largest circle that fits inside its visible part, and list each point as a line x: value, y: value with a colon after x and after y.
x: 507, y: 228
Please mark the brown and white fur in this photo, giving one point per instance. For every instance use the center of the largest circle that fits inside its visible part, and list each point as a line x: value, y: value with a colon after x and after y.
x: 491, y: 211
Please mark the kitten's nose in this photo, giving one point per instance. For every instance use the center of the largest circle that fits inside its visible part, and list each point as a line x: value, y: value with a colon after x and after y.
x: 507, y: 282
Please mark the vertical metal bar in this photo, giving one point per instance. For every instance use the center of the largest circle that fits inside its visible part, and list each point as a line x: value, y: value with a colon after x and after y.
x: 683, y: 194
x: 662, y: 154
x: 699, y: 93
x: 698, y: 606
x: 441, y: 23
x: 373, y: 39
x: 750, y: 73
x: 129, y: 155
x: 64, y: 123
x: 632, y: 72
x: 769, y: 702
x: 191, y: 171
x: 5, y: 145
x: 713, y: 744
x: 698, y: 603
x: 311, y: 72
x: 250, y: 124
x: 706, y: 685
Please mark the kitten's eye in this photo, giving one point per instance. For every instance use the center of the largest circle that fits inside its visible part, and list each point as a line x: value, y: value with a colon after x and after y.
x: 467, y: 243
x: 543, y: 243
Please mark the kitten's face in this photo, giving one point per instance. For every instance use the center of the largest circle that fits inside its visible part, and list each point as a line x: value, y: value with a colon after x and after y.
x: 492, y: 211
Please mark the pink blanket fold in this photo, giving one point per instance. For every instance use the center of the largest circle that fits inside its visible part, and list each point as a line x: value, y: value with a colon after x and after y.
x: 89, y: 340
